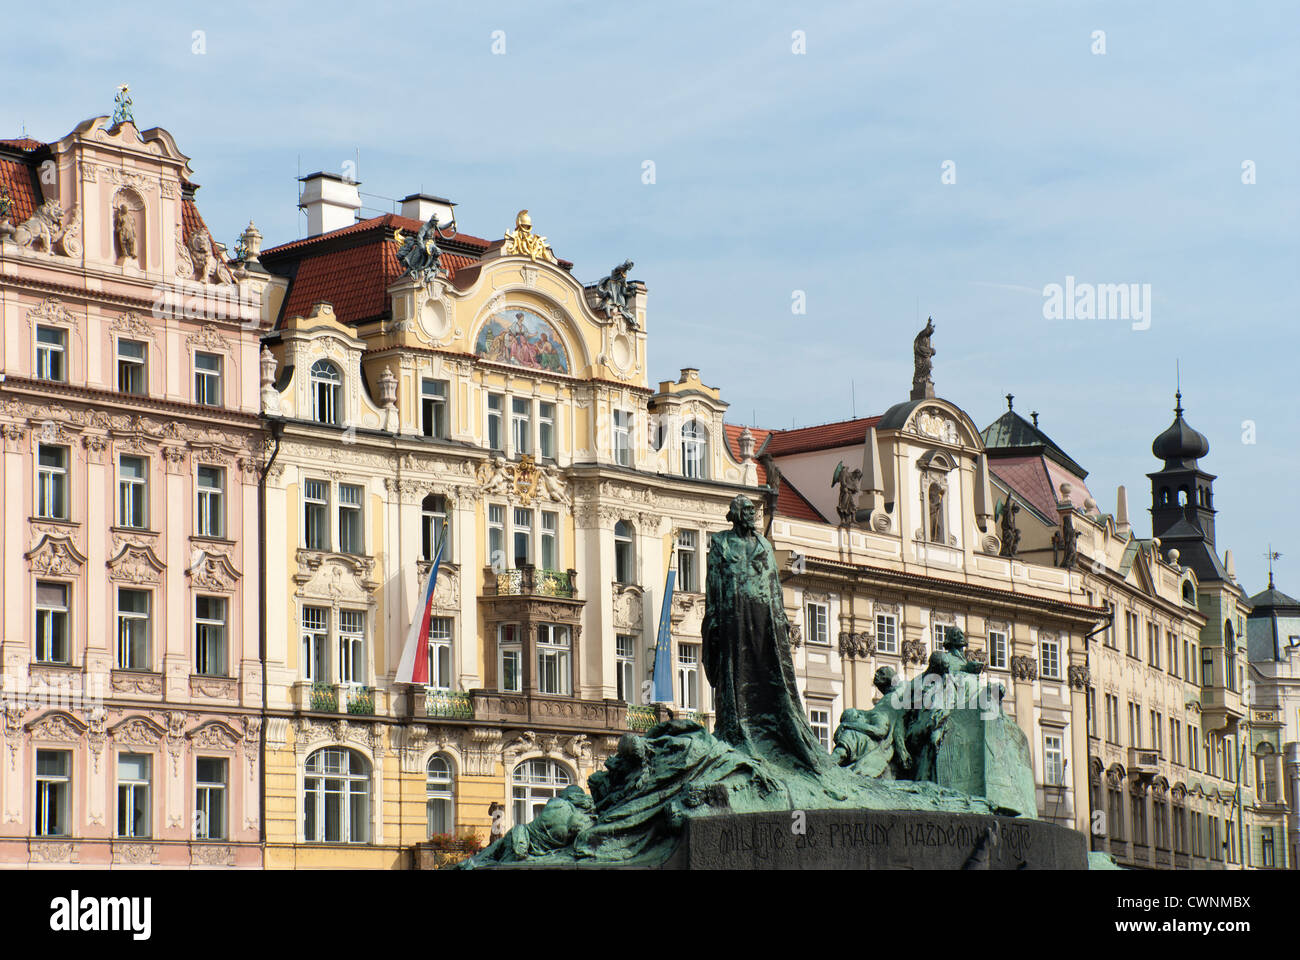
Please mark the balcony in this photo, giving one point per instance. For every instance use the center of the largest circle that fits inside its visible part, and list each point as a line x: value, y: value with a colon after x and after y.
x: 449, y: 705
x: 1221, y: 708
x: 640, y: 719
x: 492, y: 706
x: 1143, y: 762
x: 529, y: 581
x: 319, y: 697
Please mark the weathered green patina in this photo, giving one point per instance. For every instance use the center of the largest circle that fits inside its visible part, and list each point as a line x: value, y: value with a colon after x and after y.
x: 763, y: 756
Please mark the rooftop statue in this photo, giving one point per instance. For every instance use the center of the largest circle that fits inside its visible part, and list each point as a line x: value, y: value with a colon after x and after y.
x: 522, y: 242
x: 1010, y: 532
x: 763, y: 756
x: 923, y: 352
x: 615, y: 291
x: 849, y: 482
x: 419, y: 255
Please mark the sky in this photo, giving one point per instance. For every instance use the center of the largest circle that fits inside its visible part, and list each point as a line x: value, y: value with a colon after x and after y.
x: 870, y: 163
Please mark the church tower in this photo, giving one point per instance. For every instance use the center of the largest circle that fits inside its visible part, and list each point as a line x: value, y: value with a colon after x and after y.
x: 1182, y: 498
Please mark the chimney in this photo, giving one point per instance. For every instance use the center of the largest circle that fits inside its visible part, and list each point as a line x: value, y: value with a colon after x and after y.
x: 330, y: 201
x: 421, y: 206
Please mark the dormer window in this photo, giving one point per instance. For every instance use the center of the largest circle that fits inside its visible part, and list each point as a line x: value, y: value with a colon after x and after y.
x: 695, y: 448
x: 326, y: 385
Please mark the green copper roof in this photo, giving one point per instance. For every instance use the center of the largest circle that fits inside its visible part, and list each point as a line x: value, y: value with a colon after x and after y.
x: 1011, y: 433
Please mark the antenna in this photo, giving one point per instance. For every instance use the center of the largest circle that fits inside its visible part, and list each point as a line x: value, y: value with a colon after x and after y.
x: 853, y: 388
x: 296, y: 198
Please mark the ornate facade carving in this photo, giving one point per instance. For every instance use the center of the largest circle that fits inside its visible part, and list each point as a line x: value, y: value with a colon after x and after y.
x: 913, y: 651
x: 55, y: 556
x: 1078, y: 677
x: 859, y: 645
x: 1024, y: 668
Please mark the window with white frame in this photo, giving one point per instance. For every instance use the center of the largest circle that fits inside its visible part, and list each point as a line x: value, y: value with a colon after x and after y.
x: 521, y: 425
x: 688, y: 579
x: 336, y: 797
x: 212, y: 513
x: 210, y: 776
x: 886, y: 633
x: 53, y: 793
x: 433, y: 408
x: 51, y: 482
x: 1053, y: 759
x: 1050, y: 655
x: 132, y: 491
x: 315, y: 643
x: 132, y: 371
x: 550, y: 540
x: 132, y: 629
x: 496, y: 523
x: 510, y: 658
x: 352, y: 646
x: 434, y: 526
x: 316, y: 514
x: 553, y: 659
x: 997, y: 649
x: 207, y: 379
x: 546, y: 430
x: 351, y: 527
x: 819, y: 718
x: 133, y: 771
x: 623, y: 555
x: 688, y: 676
x: 326, y: 390
x: 523, y: 536
x: 817, y: 622
x: 51, y: 354
x: 623, y: 438
x: 496, y: 437
x: 695, y: 448
x: 534, y: 783
x: 51, y: 622
x: 625, y: 668
x: 440, y: 652
x: 210, y: 636
x: 940, y: 633
x: 440, y: 797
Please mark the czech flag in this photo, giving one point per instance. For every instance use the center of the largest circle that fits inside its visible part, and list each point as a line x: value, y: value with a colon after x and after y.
x: 414, y: 665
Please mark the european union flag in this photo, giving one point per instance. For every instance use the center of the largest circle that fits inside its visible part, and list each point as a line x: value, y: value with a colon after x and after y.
x: 664, y: 646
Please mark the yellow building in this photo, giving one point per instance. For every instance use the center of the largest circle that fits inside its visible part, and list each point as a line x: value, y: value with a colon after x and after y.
x: 503, y: 397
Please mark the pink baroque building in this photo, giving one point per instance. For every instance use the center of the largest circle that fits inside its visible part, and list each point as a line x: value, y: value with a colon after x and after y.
x: 132, y: 685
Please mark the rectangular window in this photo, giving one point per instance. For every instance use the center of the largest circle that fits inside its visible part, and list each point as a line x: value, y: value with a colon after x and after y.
x: 820, y: 721
x: 546, y: 430
x: 688, y: 676
x: 939, y: 632
x: 207, y: 379
x: 132, y: 491
x: 210, y: 636
x: 133, y: 795
x: 132, y: 629
x: 1131, y: 633
x: 1207, y: 667
x: 1172, y: 640
x: 623, y: 438
x: 521, y: 425
x: 1175, y: 741
x: 1053, y: 759
x: 1193, y: 753
x: 550, y: 540
x: 553, y: 659
x: 817, y: 616
x: 434, y: 527
x: 212, y: 514
x: 1267, y: 851
x: 625, y: 668
x: 1134, y: 724
x: 1112, y: 718
x: 53, y: 793
x: 1153, y: 644
x: 1050, y: 653
x: 52, y: 482
x: 510, y: 651
x: 440, y: 652
x: 687, y: 567
x: 523, y: 536
x: 210, y: 798
x: 51, y: 354
x: 315, y: 643
x: 1090, y: 705
x: 997, y: 649
x: 51, y: 622
x: 131, y: 371
x: 1110, y: 623
x: 316, y: 522
x: 495, y: 432
x: 352, y: 646
x: 497, y: 537
x: 1157, y: 729
x: 433, y: 408
x: 886, y: 633
x: 351, y: 539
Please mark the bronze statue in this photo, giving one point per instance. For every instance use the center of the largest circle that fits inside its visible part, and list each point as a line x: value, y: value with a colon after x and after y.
x: 850, y: 484
x: 615, y: 291
x: 419, y: 255
x: 923, y: 353
x: 1010, y: 532
x: 872, y: 742
x: 1065, y: 544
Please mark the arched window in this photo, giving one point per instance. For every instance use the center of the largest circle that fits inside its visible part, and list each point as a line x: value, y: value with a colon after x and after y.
x: 695, y: 451
x: 433, y: 514
x: 1182, y: 496
x: 440, y: 795
x: 336, y: 797
x: 326, y: 384
x: 1164, y: 496
x: 1188, y: 593
x: 623, y: 555
x: 534, y: 783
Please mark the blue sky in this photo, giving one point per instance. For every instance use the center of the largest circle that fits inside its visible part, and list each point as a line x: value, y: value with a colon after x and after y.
x: 820, y: 172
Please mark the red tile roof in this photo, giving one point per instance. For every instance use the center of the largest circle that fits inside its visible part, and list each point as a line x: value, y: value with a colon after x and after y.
x: 1027, y: 476
x: 17, y: 178
x: 825, y: 436
x: 192, y: 223
x: 789, y: 501
x: 23, y: 143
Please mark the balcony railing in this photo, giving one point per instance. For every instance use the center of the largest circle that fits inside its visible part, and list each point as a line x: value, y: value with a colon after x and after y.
x: 340, y: 698
x: 640, y: 718
x: 324, y: 698
x: 361, y: 700
x: 536, y: 582
x: 450, y: 704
